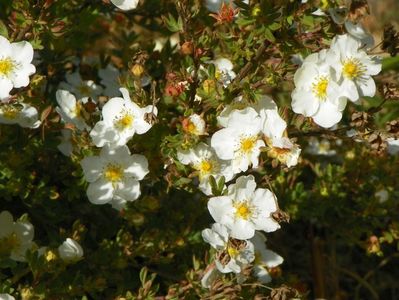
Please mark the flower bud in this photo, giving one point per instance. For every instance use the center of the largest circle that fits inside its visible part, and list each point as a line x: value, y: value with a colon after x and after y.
x: 137, y: 70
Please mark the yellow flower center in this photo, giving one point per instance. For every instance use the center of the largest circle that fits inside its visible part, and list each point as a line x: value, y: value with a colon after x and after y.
x: 78, y: 109
x: 205, y: 166
x: 247, y: 144
x: 10, y: 112
x: 243, y: 210
x: 124, y: 122
x: 113, y: 173
x: 9, y: 243
x: 353, y: 69
x: 6, y: 66
x: 84, y: 90
x: 232, y: 252
x: 320, y: 88
x: 191, y: 127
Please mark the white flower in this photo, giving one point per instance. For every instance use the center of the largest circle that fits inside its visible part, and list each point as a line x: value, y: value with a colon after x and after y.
x: 232, y: 254
x: 66, y: 145
x: 19, y: 113
x: 382, y: 195
x: 245, y: 209
x: 72, y: 110
x: 109, y: 78
x: 273, y: 126
x: 316, y: 93
x: 264, y: 258
x: 320, y: 147
x: 194, y: 124
x: 15, y: 237
x: 240, y: 141
x: 122, y: 118
x: 353, y: 67
x: 205, y: 161
x: 15, y: 65
x: 70, y: 250
x: 393, y: 146
x: 114, y: 174
x: 284, y: 150
x: 6, y: 297
x: 79, y: 87
x: 125, y: 4
x: 224, y: 70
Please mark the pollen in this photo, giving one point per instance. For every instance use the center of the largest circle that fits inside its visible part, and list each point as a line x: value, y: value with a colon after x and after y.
x: 10, y: 112
x: 124, y: 122
x: 232, y: 252
x: 191, y: 127
x: 319, y: 88
x: 205, y: 166
x: 353, y: 69
x: 84, y: 90
x: 6, y: 66
x: 243, y: 210
x: 113, y: 173
x: 9, y: 243
x: 247, y: 144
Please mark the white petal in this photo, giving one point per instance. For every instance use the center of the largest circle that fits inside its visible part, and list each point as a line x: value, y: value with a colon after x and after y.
x: 125, y: 4
x: 92, y: 167
x: 137, y: 167
x: 367, y: 87
x: 129, y: 190
x: 328, y: 115
x: 303, y: 102
x: 100, y: 191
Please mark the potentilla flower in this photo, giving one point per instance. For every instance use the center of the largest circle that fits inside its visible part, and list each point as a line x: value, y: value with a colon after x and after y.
x: 353, y: 67
x: 273, y: 126
x: 15, y: 237
x: 15, y: 65
x: 284, y: 150
x: 320, y: 147
x: 114, y: 174
x: 232, y: 254
x: 79, y: 87
x: 265, y: 259
x: 109, y: 78
x: 122, y: 118
x: 316, y: 92
x: 72, y: 110
x: 206, y: 163
x: 245, y: 209
x: 125, y: 4
x: 19, y: 113
x: 194, y: 124
x: 224, y: 70
x: 70, y: 251
x: 240, y: 141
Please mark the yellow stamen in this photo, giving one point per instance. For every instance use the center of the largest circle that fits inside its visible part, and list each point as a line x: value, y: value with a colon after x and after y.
x: 10, y: 112
x: 243, y: 211
x: 205, y: 166
x: 6, y: 66
x: 9, y: 243
x: 320, y: 88
x: 124, y: 122
x: 113, y: 173
x: 232, y: 252
x: 353, y: 69
x: 84, y: 90
x: 247, y: 144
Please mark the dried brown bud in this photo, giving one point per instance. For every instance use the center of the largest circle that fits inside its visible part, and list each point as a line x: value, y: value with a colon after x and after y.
x: 393, y: 127
x: 390, y: 42
x: 281, y: 216
x: 283, y: 293
x: 187, y: 48
x: 360, y: 119
x: 358, y: 9
x: 390, y: 91
x: 377, y: 143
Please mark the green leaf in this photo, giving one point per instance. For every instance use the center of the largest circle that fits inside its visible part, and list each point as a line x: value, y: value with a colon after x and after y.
x: 3, y: 30
x: 269, y: 35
